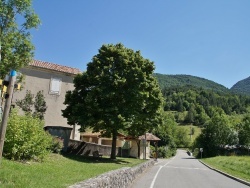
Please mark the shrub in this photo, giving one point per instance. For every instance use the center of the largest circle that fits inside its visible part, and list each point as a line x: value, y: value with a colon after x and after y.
x: 25, y: 138
x: 163, y: 152
x: 57, y: 145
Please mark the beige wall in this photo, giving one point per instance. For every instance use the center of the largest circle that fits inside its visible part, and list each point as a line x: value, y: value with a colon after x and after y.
x: 40, y: 79
x: 134, y: 150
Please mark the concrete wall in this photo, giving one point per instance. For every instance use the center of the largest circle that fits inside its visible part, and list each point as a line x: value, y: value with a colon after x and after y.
x: 121, y: 178
x: 86, y: 148
x: 37, y: 79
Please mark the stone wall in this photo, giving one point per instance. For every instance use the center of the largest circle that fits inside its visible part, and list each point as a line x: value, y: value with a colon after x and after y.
x: 85, y: 148
x: 121, y: 178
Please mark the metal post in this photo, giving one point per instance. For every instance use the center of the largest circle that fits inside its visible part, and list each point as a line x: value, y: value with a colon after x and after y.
x: 190, y: 133
x: 144, y: 146
x: 6, y: 110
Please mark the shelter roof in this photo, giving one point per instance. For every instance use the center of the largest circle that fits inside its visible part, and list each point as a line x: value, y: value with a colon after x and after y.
x: 149, y: 137
x: 98, y: 134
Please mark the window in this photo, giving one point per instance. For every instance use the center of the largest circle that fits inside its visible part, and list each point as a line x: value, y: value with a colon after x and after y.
x: 55, y: 86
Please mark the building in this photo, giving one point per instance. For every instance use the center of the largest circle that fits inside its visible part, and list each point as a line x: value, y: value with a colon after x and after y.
x: 54, y: 80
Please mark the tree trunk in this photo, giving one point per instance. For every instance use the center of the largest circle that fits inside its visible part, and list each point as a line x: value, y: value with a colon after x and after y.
x: 138, y: 145
x: 113, y: 149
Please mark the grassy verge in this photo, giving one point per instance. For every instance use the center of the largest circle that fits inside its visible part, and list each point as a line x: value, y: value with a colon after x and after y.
x: 57, y: 171
x: 238, y: 166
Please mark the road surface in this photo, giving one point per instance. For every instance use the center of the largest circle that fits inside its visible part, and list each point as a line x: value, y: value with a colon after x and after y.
x: 183, y: 171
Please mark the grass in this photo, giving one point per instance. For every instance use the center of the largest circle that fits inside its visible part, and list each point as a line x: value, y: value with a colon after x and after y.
x: 238, y: 166
x: 57, y: 171
x: 197, y: 130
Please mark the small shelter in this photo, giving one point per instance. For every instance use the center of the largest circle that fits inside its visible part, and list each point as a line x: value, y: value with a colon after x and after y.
x: 144, y: 145
x: 97, y: 138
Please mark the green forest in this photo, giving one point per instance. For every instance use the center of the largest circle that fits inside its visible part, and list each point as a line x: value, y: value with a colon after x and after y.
x: 202, y: 113
x: 242, y: 86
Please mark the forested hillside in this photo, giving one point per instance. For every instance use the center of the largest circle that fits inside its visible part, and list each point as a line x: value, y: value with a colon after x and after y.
x: 242, y: 87
x: 196, y: 105
x: 167, y: 81
x: 199, y: 107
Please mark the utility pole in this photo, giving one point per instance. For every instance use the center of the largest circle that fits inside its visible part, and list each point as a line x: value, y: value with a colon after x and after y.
x: 145, y: 147
x: 6, y: 111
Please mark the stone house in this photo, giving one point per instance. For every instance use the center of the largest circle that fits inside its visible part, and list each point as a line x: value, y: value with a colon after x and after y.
x: 54, y: 80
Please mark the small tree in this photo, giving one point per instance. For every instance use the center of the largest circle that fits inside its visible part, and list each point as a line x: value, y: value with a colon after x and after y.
x: 118, y: 91
x: 40, y: 105
x: 190, y: 118
x: 27, y: 104
x: 181, y: 137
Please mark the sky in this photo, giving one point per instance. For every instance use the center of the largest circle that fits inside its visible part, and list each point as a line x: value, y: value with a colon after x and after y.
x: 208, y: 39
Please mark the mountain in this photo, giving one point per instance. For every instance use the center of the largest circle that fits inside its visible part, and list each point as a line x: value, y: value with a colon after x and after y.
x: 166, y: 81
x: 242, y: 87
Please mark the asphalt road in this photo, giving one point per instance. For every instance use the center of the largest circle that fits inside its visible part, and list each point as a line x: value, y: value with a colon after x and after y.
x: 183, y: 171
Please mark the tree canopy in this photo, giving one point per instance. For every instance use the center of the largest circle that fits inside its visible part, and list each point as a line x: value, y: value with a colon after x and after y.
x: 117, y: 92
x: 16, y: 19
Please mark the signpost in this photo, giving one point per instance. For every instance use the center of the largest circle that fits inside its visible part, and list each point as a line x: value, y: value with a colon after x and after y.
x: 6, y: 110
x: 201, y: 150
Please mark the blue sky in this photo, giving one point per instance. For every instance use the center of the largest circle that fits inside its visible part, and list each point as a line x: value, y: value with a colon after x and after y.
x: 209, y: 39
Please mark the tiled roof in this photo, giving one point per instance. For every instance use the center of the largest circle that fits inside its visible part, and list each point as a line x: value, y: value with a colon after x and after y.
x: 97, y: 134
x: 149, y: 137
x: 55, y: 67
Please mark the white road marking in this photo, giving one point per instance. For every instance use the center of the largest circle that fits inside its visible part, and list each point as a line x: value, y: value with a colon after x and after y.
x: 153, y: 182
x: 187, y: 168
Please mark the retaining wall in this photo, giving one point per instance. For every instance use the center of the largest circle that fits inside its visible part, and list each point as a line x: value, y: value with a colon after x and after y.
x: 85, y: 148
x: 121, y: 178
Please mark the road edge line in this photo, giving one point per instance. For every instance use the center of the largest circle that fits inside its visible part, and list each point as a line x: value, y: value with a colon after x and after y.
x: 153, y: 182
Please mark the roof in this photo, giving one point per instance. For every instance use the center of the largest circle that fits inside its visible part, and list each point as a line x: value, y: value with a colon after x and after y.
x: 97, y: 134
x: 55, y: 67
x: 149, y: 137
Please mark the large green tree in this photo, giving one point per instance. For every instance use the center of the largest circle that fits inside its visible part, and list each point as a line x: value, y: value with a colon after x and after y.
x: 218, y: 132
x: 244, y: 131
x: 167, y: 131
x: 17, y: 18
x: 117, y: 92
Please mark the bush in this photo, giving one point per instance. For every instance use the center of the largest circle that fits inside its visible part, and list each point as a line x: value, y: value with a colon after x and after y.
x: 163, y: 152
x: 57, y: 145
x: 25, y: 138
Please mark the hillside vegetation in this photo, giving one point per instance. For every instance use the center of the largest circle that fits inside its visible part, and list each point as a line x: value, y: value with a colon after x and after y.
x: 167, y: 81
x: 196, y: 105
x: 242, y: 87
x: 192, y: 101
